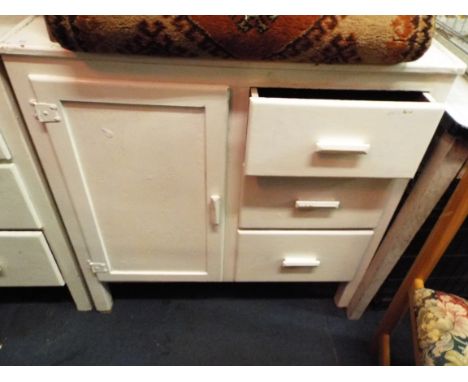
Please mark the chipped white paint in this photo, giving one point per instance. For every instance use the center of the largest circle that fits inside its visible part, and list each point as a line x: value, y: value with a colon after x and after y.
x: 108, y: 133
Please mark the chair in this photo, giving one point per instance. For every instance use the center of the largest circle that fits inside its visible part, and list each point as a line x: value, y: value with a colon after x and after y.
x: 439, y: 320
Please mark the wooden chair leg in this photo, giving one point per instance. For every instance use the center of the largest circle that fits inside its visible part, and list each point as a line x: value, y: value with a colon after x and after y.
x: 384, y: 349
x: 418, y: 284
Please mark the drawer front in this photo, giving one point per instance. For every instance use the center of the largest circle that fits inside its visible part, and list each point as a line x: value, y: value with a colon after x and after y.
x: 338, y: 138
x: 17, y: 211
x: 4, y: 152
x: 26, y: 260
x: 300, y: 255
x: 326, y: 203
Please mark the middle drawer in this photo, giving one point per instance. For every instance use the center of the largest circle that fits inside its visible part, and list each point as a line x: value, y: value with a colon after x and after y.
x: 313, y: 203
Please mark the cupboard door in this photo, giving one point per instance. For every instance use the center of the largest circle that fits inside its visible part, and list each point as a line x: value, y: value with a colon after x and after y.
x: 144, y: 165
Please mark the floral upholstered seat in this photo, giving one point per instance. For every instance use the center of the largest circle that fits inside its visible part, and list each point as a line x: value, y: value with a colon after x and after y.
x: 442, y: 327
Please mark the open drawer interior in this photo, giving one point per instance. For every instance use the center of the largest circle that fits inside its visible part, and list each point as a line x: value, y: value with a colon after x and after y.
x: 343, y: 95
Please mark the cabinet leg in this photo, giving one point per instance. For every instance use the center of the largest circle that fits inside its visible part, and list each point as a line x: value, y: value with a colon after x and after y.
x: 98, y: 290
x: 101, y: 296
x: 79, y: 293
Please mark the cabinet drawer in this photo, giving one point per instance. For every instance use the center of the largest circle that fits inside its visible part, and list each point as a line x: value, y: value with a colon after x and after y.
x: 300, y: 255
x: 16, y: 209
x: 26, y: 260
x: 277, y: 202
x: 361, y: 134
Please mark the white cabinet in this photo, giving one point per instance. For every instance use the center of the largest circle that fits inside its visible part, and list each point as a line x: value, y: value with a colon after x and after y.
x: 144, y: 166
x: 169, y: 169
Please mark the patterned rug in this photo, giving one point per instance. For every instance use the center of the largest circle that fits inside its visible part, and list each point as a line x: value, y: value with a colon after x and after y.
x: 315, y: 39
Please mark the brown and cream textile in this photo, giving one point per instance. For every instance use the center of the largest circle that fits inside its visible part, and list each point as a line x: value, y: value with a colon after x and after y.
x: 316, y: 39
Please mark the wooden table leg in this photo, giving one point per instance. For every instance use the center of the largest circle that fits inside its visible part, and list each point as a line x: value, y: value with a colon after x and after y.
x: 445, y: 162
x: 447, y: 226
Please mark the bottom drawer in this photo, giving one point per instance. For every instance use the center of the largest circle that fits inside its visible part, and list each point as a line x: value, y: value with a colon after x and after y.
x: 26, y: 260
x: 300, y: 255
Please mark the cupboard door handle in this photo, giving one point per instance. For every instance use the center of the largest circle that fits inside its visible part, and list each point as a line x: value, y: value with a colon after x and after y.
x: 342, y: 146
x: 290, y: 262
x: 308, y: 204
x: 215, y: 209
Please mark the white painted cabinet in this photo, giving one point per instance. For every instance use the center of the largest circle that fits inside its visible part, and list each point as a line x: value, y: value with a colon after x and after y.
x: 144, y: 166
x: 170, y: 169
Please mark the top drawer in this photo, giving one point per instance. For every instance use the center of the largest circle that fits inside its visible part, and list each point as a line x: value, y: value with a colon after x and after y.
x: 329, y: 133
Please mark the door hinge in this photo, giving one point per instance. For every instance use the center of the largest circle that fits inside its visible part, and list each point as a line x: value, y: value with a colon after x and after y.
x: 98, y: 267
x: 46, y: 112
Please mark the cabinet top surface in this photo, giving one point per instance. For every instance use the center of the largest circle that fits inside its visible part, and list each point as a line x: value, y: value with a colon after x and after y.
x: 30, y: 38
x: 6, y: 25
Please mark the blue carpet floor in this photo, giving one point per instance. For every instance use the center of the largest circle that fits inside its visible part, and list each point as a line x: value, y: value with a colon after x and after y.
x: 190, y: 324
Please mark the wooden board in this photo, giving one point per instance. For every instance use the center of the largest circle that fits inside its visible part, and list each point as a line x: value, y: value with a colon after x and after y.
x: 442, y: 167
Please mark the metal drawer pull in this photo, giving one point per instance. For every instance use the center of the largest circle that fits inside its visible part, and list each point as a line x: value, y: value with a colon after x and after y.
x: 300, y: 262
x: 344, y: 146
x: 307, y: 204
